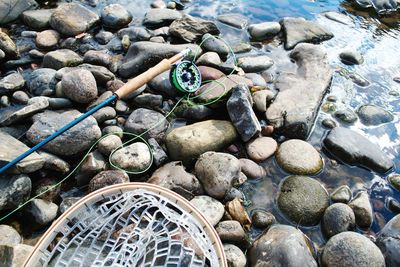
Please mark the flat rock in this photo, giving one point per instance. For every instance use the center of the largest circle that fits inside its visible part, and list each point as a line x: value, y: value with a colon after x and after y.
x: 191, y: 29
x: 107, y: 178
x: 241, y: 112
x: 264, y: 30
x: 303, y: 200
x: 115, y: 16
x: 295, y: 107
x: 134, y: 158
x: 338, y: 17
x: 72, y: 19
x: 299, y: 30
x: 374, y: 115
x: 174, y: 177
x: 79, y: 85
x: 362, y: 209
x: 389, y: 243
x: 42, y: 82
x: 37, y: 19
x: 217, y: 171
x: 211, y: 208
x: 54, y: 163
x: 14, y: 190
x: 9, y: 236
x: 74, y: 141
x: 11, y: 9
x: 11, y: 83
x: 234, y: 19
x: 355, y: 149
x: 144, y: 55
x: 353, y: 250
x: 156, y: 18
x: 299, y: 157
x: 61, y: 58
x: 142, y: 120
x: 338, y: 218
x: 13, y: 114
x: 261, y: 148
x: 255, y: 63
x: 282, y: 245
x: 188, y: 142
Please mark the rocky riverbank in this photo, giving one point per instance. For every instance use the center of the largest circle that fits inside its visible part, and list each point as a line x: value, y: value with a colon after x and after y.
x: 58, y: 62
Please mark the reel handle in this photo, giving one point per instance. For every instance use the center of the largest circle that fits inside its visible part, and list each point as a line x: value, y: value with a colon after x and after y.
x: 145, y: 77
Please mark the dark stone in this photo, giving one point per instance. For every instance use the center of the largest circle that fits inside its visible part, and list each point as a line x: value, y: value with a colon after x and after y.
x: 338, y: 218
x: 107, y: 178
x: 14, y: 190
x: 155, y: 18
x: 235, y: 20
x: 37, y: 19
x: 346, y: 115
x: 262, y: 219
x: 42, y: 82
x: 213, y: 44
x: 142, y: 120
x: 115, y: 16
x: 389, y: 243
x: 191, y: 29
x: 374, y: 115
x: 135, y: 33
x: 11, y: 9
x: 14, y: 114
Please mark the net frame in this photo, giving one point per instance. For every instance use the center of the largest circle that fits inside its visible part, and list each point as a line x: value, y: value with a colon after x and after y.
x: 83, y: 204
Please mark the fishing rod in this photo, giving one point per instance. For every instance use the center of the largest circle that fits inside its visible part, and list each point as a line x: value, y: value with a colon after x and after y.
x: 184, y: 76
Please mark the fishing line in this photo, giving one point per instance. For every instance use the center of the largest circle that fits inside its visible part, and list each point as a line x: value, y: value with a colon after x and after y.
x: 188, y: 97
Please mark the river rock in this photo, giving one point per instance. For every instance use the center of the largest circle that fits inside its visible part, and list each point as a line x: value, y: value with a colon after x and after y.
x: 79, y: 85
x: 338, y: 218
x: 107, y: 178
x: 42, y: 82
x: 72, y: 19
x: 67, y: 203
x: 13, y: 114
x: 303, y: 200
x: 143, y: 55
x: 362, y: 209
x: 52, y: 162
x: 211, y: 208
x: 255, y: 63
x: 188, y: 142
x: 374, y: 115
x: 14, y: 190
x: 108, y: 144
x: 100, y: 73
x: 142, y: 120
x: 234, y: 19
x: 104, y: 37
x: 37, y: 19
x: 261, y: 148
x: 10, y: 148
x: 61, y: 58
x: 135, y: 157
x: 251, y: 169
x: 299, y: 157
x: 93, y: 164
x: 262, y: 219
x: 15, y: 255
x: 213, y: 44
x: 47, y: 39
x: 342, y: 194
x: 230, y: 232
x: 234, y: 256
x: 136, y: 33
x: 210, y: 59
x: 262, y: 99
x: 9, y: 236
x: 329, y: 123
x: 346, y: 115
x: 115, y: 16
x: 156, y: 18
x: 395, y: 181
x: 338, y: 17
x: 76, y: 140
x: 11, y: 9
x: 355, y: 149
x: 282, y: 245
x: 209, y: 73
x: 7, y: 45
x: 351, y: 57
x: 191, y: 29
x: 295, y: 107
x: 389, y: 243
x: 217, y: 171
x: 159, y: 155
x: 94, y: 57
x: 11, y: 83
x: 42, y: 211
x: 162, y: 85
x: 299, y: 30
x: 265, y: 30
x: 241, y: 112
x: 351, y: 249
x: 174, y: 176
x: 104, y: 114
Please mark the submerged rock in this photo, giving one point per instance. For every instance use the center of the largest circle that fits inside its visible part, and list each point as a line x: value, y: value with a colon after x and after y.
x: 341, y: 194
x: 299, y: 30
x: 188, y: 142
x: 351, y: 57
x: 374, y: 115
x: 265, y: 30
x: 355, y: 149
x: 303, y: 200
x: 282, y: 245
x: 362, y: 209
x: 191, y: 29
x: 351, y: 249
x: 235, y: 20
x: 14, y: 190
x: 338, y: 218
x: 389, y: 243
x: 346, y: 115
x: 295, y: 107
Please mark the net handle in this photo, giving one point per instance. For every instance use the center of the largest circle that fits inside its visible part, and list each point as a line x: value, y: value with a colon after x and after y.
x: 49, y: 235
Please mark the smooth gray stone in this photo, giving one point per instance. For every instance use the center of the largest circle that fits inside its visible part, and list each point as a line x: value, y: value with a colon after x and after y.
x: 11, y: 9
x: 14, y: 190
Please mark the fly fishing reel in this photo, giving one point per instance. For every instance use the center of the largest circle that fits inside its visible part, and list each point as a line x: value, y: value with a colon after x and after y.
x: 185, y: 77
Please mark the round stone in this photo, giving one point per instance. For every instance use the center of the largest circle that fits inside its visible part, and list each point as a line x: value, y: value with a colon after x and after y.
x: 395, y: 181
x: 261, y: 148
x: 299, y: 157
x: 79, y: 85
x: 342, y: 194
x: 262, y: 219
x: 135, y: 157
x: 351, y: 249
x: 328, y: 123
x: 374, y: 115
x: 338, y: 218
x: 234, y: 256
x: 251, y: 169
x: 115, y: 16
x: 108, y: 144
x: 47, y: 39
x: 107, y: 178
x: 302, y: 199
x: 389, y: 243
x: 9, y: 236
x: 211, y: 208
x: 351, y: 57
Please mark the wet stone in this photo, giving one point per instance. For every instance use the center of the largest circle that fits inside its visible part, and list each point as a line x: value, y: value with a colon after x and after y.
x: 136, y: 33
x: 338, y: 218
x: 115, y: 16
x: 329, y: 123
x: 346, y: 115
x: 191, y: 29
x: 261, y: 148
x: 251, y: 169
x: 389, y: 242
x: 395, y: 181
x: 37, y: 19
x: 19, y: 97
x: 265, y: 30
x: 362, y: 209
x: 211, y: 208
x: 342, y: 194
x: 374, y: 115
x: 351, y: 57
x: 263, y: 219
x: 104, y: 37
x: 235, y: 20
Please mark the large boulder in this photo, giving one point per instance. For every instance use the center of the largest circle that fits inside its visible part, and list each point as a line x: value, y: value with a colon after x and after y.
x: 282, y: 246
x: 355, y: 149
x: 143, y: 55
x: 295, y: 107
x: 11, y: 9
x: 389, y: 242
x: 191, y: 29
x: 188, y: 142
x: 74, y: 141
x: 14, y: 190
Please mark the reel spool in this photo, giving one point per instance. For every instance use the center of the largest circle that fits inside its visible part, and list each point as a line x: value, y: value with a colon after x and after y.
x: 185, y: 77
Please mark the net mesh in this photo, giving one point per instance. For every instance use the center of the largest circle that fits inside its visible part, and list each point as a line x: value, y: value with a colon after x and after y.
x: 134, y: 228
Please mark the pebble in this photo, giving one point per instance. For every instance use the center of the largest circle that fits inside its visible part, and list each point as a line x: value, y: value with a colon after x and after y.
x: 394, y: 181
x: 299, y: 157
x: 42, y: 211
x: 135, y: 157
x: 328, y: 123
x: 346, y: 115
x: 107, y: 178
x: 374, y: 115
x: 5, y: 101
x: 104, y: 114
x: 211, y: 208
x: 108, y: 144
x: 213, y: 44
x: 255, y: 63
x: 303, y: 200
x: 362, y: 209
x: 47, y: 39
x: 61, y: 58
x: 230, y: 232
x: 251, y: 169
x: 389, y: 242
x: 351, y: 57
x: 115, y: 16
x: 79, y: 85
x: 262, y: 219
x: 338, y: 218
x: 261, y: 148
x: 342, y: 194
x: 34, y: 53
x: 234, y: 256
x: 263, y: 31
x: 9, y: 236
